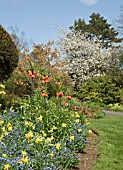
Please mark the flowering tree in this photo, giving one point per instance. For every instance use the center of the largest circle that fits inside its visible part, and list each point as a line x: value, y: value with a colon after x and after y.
x: 85, y: 57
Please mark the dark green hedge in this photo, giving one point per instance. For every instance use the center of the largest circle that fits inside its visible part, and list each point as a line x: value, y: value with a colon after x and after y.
x: 8, y: 55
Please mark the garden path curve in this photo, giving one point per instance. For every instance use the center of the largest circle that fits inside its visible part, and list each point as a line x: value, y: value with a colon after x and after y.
x: 112, y: 113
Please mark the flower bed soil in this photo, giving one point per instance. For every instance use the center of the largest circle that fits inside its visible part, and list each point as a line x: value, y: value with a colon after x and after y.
x: 90, y: 154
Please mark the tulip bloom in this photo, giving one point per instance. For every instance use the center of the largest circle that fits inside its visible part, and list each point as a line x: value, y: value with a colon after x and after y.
x: 44, y: 94
x: 68, y: 97
x: 59, y: 94
x: 45, y: 80
x: 31, y: 75
x: 58, y: 83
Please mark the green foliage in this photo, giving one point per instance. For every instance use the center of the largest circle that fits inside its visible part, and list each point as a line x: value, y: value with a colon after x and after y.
x: 8, y: 55
x: 100, y: 89
x: 17, y: 85
x: 121, y: 95
x: 66, y: 86
x: 89, y: 109
x: 98, y: 27
x: 116, y: 107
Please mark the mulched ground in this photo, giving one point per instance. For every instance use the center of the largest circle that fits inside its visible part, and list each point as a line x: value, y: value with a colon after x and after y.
x: 90, y: 155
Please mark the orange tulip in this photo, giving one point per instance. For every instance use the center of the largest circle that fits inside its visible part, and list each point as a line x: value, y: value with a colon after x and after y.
x: 31, y: 75
x: 68, y: 97
x: 45, y: 80
x: 58, y: 83
x: 44, y: 94
x: 64, y: 102
x: 59, y: 94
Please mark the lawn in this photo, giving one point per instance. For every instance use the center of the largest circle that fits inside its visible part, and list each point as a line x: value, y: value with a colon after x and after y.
x: 110, y: 130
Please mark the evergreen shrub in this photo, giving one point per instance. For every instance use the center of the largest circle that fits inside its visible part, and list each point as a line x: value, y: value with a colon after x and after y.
x: 8, y: 55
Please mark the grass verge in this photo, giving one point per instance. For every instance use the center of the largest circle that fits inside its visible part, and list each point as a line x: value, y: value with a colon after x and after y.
x: 110, y: 150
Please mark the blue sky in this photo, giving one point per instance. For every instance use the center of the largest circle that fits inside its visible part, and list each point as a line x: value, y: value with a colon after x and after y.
x: 39, y: 19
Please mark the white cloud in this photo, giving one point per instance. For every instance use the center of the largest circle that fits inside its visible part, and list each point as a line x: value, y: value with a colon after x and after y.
x: 89, y: 2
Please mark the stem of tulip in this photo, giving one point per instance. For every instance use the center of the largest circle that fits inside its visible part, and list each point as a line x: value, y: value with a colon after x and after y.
x: 45, y: 103
x: 60, y: 104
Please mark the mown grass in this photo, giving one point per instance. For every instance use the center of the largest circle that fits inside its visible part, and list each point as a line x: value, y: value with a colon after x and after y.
x: 110, y: 150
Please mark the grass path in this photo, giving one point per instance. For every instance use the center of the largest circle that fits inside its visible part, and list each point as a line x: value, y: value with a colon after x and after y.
x: 110, y: 150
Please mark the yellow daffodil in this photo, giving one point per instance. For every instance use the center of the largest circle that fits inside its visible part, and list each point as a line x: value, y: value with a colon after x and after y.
x: 24, y: 160
x: 77, y: 115
x: 58, y: 145
x: 2, y: 93
x: 44, y: 134
x: 1, y: 122
x: 29, y: 135
x: 54, y: 127
x: 9, y: 124
x: 4, y: 155
x: 51, y: 138
x: 77, y: 120
x: 51, y: 130
x: 0, y: 105
x: 87, y: 123
x: 4, y: 111
x: 30, y: 124
x: 90, y: 131
x: 2, y: 86
x: 1, y: 137
x: 10, y: 128
x: 6, y: 133
x: 38, y: 139
x: 3, y: 129
x: 79, y: 130
x: 7, y: 166
x: 64, y: 125
x: 48, y: 140
x: 71, y: 137
x: 40, y: 118
x: 11, y: 108
x: 24, y: 153
x: 13, y: 100
x: 51, y: 155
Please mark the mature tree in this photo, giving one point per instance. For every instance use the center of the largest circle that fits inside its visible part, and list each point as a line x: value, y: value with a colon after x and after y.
x: 80, y: 25
x: 99, y: 27
x: 19, y: 38
x: 8, y: 55
x: 85, y: 57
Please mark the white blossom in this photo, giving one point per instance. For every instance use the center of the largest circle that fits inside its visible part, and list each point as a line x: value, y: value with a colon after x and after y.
x: 84, y: 56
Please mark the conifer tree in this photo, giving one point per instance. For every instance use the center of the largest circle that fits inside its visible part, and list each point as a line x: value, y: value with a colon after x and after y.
x: 98, y: 27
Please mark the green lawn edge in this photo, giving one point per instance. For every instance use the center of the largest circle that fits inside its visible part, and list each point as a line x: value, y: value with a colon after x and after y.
x: 110, y: 150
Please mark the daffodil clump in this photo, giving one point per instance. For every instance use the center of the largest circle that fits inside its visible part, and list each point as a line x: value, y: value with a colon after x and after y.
x: 2, y: 92
x: 35, y: 137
